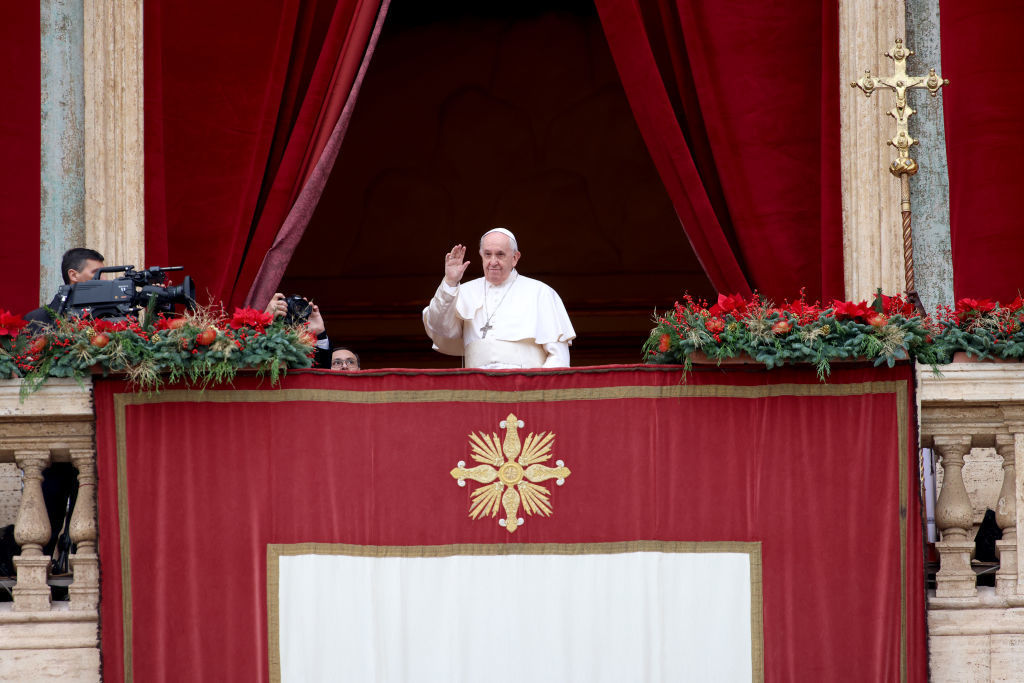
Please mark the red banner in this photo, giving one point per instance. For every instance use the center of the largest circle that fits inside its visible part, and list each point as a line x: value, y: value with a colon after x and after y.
x: 194, y: 487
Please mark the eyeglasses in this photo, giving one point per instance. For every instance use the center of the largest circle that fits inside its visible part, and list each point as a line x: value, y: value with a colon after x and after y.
x: 344, y: 362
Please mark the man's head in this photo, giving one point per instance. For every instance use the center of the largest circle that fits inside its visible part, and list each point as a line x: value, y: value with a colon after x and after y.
x: 343, y: 359
x: 79, y: 265
x: 499, y: 252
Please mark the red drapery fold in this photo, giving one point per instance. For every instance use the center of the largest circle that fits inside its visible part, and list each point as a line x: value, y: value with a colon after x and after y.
x: 239, y: 109
x: 984, y: 145
x: 823, y: 476
x: 19, y: 172
x: 739, y: 107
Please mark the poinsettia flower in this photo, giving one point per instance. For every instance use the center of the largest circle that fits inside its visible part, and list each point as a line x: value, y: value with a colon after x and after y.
x: 897, y: 305
x: 103, y: 325
x: 250, y: 317
x: 733, y: 303
x: 1016, y: 304
x: 10, y: 324
x: 969, y: 308
x: 847, y: 310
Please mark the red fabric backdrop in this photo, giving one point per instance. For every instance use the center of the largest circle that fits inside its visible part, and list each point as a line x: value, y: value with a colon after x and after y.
x: 19, y: 172
x: 822, y: 475
x: 738, y: 104
x: 240, y: 101
x: 984, y: 144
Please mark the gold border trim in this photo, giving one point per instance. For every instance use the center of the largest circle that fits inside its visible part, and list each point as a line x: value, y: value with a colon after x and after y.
x: 121, y: 401
x: 750, y: 548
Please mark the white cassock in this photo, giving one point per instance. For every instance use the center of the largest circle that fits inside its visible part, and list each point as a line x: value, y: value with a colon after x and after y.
x: 525, y: 320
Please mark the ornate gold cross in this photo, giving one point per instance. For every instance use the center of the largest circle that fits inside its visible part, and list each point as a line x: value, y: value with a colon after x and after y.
x: 904, y: 166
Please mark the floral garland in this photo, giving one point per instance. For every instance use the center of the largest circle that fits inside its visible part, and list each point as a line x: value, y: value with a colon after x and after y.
x: 202, y: 347
x: 886, y: 331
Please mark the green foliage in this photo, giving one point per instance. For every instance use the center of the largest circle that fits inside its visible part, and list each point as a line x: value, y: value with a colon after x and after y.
x: 203, y: 348
x: 795, y: 332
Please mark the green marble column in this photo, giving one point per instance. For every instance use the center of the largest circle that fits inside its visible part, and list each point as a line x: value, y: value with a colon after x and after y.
x: 62, y: 153
x: 929, y: 188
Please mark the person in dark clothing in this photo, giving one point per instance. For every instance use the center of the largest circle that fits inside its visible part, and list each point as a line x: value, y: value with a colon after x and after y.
x: 77, y: 265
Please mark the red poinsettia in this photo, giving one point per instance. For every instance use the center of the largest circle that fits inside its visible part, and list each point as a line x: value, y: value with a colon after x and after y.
x: 973, y: 308
x: 10, y: 324
x: 897, y: 305
x: 250, y: 317
x: 847, y: 310
x: 803, y: 311
x: 733, y: 303
x: 103, y: 325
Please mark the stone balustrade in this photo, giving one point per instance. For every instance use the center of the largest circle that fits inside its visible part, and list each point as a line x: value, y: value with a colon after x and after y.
x: 976, y: 633
x: 40, y: 638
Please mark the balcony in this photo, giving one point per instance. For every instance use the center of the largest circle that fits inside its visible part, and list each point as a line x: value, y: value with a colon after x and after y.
x: 971, y: 417
x: 43, y: 638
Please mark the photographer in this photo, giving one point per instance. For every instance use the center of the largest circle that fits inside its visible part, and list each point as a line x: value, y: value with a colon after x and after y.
x: 297, y: 309
x: 77, y: 265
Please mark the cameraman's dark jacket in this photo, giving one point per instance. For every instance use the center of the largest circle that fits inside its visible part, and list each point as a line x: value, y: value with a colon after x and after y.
x: 40, y: 318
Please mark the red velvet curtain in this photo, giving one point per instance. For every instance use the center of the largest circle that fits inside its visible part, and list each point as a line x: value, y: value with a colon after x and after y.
x: 19, y: 172
x: 823, y: 476
x: 984, y: 112
x: 739, y: 106
x: 241, y: 99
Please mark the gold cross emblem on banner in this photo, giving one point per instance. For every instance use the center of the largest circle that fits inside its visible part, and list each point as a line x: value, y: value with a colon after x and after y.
x: 510, y: 472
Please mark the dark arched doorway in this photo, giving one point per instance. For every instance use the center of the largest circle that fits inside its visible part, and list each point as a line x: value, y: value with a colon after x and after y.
x: 476, y: 115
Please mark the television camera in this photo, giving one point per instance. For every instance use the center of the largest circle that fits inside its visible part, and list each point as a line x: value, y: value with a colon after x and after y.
x: 123, y: 296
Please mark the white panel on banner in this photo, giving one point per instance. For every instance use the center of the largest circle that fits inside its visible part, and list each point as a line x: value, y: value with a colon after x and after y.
x: 642, y: 616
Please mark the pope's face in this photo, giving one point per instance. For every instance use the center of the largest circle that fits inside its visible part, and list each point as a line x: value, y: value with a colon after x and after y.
x: 498, y: 257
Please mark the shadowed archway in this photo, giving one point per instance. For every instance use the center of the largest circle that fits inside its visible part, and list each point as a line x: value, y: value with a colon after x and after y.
x: 472, y: 117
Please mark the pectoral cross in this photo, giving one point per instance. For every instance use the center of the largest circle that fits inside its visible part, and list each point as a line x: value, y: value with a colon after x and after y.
x: 486, y: 328
x: 904, y: 166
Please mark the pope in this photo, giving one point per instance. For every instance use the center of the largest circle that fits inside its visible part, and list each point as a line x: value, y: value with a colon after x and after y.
x: 502, y: 320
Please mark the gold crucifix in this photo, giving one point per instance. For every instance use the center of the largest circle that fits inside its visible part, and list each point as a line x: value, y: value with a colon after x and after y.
x: 904, y: 166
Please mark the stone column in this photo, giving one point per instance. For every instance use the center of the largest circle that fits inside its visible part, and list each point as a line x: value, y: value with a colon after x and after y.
x: 929, y: 187
x: 62, y: 132
x: 32, y: 532
x: 872, y: 232
x: 114, y: 200
x: 1006, y: 517
x: 954, y: 517
x: 85, y: 589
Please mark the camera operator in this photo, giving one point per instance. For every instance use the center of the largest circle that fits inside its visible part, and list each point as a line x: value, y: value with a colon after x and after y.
x: 298, y: 309
x: 77, y: 265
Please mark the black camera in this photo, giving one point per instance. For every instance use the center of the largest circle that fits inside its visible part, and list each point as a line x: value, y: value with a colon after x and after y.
x: 299, y: 309
x: 117, y: 299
